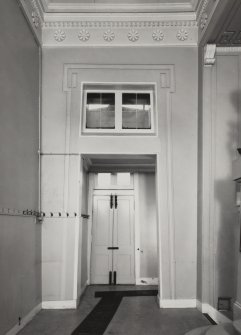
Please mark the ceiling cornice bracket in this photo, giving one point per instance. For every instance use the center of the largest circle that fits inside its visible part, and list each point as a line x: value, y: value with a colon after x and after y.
x: 209, y: 54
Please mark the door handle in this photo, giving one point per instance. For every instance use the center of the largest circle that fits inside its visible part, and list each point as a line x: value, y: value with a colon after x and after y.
x: 113, y: 248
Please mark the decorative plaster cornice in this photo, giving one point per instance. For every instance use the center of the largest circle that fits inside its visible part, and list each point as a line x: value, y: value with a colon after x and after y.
x: 119, y: 29
x: 38, y: 9
x: 182, y: 34
x: 228, y: 50
x: 119, y: 24
x: 201, y: 9
x: 34, y: 14
x: 128, y: 35
x: 205, y: 14
x: 71, y: 7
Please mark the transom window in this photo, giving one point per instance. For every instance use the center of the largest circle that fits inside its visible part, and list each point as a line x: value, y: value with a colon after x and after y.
x: 118, y: 108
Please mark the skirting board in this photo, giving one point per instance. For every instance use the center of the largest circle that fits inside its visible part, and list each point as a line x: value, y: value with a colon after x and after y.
x: 212, y: 312
x: 177, y: 303
x: 237, y: 310
x: 65, y: 304
x: 25, y: 320
x: 82, y: 293
x: 147, y: 281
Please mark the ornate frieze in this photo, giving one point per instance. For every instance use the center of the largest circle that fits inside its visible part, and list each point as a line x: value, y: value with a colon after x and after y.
x: 35, y: 19
x: 203, y: 21
x: 120, y: 33
x: 133, y: 35
x: 158, y: 35
x: 59, y: 35
x: 118, y: 24
x: 109, y: 35
x: 182, y: 34
x: 84, y: 35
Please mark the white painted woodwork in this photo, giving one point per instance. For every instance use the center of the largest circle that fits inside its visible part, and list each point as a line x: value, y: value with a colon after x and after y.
x: 102, y: 237
x: 123, y: 237
x: 112, y: 227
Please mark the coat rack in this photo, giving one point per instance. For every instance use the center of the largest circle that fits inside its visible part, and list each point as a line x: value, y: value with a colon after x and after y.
x: 40, y: 215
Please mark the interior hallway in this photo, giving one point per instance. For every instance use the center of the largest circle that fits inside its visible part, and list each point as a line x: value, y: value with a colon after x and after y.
x: 135, y: 316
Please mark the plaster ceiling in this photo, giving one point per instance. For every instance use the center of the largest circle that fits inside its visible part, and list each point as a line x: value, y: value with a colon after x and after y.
x: 228, y: 32
x: 120, y: 5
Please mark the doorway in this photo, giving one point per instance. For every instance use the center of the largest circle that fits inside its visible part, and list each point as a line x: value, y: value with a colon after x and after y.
x: 113, y: 248
x: 121, y: 231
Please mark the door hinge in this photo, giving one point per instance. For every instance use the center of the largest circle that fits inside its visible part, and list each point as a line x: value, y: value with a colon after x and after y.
x: 111, y: 201
x: 116, y: 202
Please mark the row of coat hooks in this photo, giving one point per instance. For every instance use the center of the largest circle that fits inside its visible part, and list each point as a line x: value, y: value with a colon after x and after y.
x: 27, y: 212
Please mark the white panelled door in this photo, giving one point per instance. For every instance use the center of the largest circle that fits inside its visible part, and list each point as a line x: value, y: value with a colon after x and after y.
x: 112, y: 260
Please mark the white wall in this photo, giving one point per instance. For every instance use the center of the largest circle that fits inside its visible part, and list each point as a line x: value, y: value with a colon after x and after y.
x: 20, y: 237
x: 148, y: 226
x: 218, y: 216
x: 60, y: 194
x: 174, y: 70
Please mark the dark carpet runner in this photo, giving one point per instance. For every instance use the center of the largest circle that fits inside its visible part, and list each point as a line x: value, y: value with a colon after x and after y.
x: 99, y: 318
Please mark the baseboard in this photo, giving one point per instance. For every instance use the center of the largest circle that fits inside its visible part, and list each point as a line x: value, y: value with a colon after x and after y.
x: 237, y: 310
x: 25, y: 320
x: 82, y: 293
x: 212, y: 312
x: 63, y: 304
x: 147, y: 281
x: 177, y: 303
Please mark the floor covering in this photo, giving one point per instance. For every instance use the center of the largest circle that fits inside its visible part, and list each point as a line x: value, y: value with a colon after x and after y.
x: 130, y: 314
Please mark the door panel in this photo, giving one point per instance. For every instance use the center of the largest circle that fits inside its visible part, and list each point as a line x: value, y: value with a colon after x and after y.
x: 124, y: 235
x: 101, y: 260
x: 113, y: 227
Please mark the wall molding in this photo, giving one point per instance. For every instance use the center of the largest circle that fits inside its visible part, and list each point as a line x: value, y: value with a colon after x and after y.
x: 228, y: 50
x: 72, y: 75
x: 95, y: 7
x: 63, y: 304
x: 25, y: 320
x: 118, y: 23
x: 177, y: 303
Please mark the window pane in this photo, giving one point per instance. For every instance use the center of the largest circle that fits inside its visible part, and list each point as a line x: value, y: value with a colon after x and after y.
x: 136, y: 111
x: 123, y: 178
x: 104, y: 179
x: 100, y: 110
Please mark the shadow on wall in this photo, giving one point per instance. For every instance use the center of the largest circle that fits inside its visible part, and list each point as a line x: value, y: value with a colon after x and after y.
x: 226, y: 216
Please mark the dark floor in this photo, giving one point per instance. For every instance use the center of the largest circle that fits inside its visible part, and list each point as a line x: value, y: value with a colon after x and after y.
x: 135, y: 315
